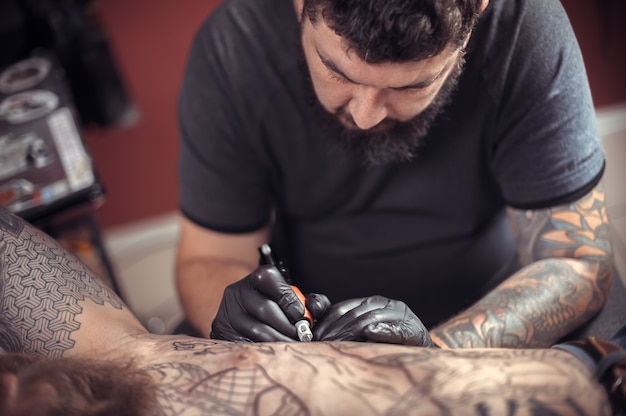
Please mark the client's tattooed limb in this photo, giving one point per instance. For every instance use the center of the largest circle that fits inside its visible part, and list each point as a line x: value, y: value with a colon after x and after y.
x: 53, y: 306
x: 215, y: 377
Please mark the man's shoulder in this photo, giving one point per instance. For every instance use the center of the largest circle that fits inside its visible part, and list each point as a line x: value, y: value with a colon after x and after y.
x: 250, y: 24
x: 248, y: 45
x: 243, y: 56
x: 519, y: 20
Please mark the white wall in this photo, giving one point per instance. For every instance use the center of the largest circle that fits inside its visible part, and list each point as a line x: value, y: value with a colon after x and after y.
x: 612, y: 126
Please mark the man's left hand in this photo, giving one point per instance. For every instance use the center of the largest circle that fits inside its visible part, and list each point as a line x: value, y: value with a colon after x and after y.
x: 374, y: 319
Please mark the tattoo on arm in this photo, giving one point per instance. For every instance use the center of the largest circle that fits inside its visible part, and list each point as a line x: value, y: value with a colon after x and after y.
x: 567, y: 259
x: 410, y: 381
x: 579, y: 230
x: 41, y: 290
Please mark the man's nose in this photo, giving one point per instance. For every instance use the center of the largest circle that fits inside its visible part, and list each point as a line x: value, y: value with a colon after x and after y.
x: 367, y: 107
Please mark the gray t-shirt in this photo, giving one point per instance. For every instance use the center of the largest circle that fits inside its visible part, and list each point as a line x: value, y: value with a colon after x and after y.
x: 433, y: 232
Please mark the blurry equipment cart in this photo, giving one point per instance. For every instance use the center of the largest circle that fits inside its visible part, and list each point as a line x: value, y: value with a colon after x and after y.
x: 46, y: 173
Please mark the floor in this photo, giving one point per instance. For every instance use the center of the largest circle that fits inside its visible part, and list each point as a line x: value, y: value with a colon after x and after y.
x: 142, y: 254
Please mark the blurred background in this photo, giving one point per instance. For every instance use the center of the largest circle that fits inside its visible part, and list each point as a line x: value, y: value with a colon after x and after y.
x: 124, y: 61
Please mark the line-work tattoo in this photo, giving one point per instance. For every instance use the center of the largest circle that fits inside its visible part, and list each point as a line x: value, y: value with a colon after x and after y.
x: 419, y: 382
x: 41, y: 287
x: 52, y: 306
x: 566, y: 260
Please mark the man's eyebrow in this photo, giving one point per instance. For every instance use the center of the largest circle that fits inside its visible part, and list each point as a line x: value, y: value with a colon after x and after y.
x: 424, y: 84
x: 330, y: 65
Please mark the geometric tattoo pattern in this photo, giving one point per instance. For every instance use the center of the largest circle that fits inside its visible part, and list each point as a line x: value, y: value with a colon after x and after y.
x: 41, y: 287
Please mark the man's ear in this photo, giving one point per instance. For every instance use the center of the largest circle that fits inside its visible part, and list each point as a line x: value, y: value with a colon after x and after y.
x: 482, y: 6
x: 298, y: 5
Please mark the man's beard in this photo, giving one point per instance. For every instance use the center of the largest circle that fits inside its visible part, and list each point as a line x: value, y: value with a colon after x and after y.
x: 391, y: 141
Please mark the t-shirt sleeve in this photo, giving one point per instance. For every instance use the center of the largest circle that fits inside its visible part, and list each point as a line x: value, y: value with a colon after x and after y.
x: 548, y: 149
x: 222, y: 180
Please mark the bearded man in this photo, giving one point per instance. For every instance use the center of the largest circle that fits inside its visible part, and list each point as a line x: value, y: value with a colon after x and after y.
x: 432, y: 167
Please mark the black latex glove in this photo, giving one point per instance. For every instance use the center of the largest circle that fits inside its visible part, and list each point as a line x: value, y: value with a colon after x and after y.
x: 374, y: 319
x: 262, y: 307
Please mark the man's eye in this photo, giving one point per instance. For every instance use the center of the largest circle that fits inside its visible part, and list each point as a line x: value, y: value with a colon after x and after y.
x: 336, y: 77
x: 412, y: 90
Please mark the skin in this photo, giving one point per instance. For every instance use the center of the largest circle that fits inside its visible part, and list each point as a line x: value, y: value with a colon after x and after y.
x: 565, y: 250
x: 363, y: 95
x: 53, y: 306
x: 206, y: 262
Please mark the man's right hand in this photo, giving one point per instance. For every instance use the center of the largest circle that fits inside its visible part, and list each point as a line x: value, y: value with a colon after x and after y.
x: 262, y: 307
x: 373, y: 319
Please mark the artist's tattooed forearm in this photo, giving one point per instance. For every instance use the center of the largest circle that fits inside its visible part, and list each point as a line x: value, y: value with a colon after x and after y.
x: 413, y: 381
x: 563, y: 295
x: 534, y: 310
x: 550, y: 296
x: 41, y: 287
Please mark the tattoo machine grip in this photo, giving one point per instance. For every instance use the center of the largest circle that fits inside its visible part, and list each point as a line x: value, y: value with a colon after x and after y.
x: 303, y: 326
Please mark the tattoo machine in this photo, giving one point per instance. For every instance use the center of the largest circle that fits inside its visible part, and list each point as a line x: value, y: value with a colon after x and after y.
x: 303, y: 326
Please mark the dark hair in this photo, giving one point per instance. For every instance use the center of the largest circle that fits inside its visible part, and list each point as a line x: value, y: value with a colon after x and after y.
x: 74, y: 387
x: 396, y: 30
